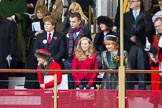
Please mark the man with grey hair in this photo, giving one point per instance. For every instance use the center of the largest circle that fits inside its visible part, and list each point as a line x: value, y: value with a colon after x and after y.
x: 156, y: 60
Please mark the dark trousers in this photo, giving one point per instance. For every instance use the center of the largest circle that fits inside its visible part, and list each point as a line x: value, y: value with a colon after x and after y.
x: 71, y: 83
x: 31, y: 81
x: 3, y: 80
x: 137, y: 60
x: 131, y: 79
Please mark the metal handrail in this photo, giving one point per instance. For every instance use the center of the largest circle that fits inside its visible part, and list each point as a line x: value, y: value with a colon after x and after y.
x: 69, y: 71
x: 55, y: 95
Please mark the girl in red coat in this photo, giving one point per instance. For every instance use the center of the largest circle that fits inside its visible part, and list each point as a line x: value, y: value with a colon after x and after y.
x: 45, y: 62
x: 84, y: 58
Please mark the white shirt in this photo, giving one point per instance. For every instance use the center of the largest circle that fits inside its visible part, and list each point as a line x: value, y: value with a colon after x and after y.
x: 50, y: 35
x: 137, y: 12
x: 160, y: 42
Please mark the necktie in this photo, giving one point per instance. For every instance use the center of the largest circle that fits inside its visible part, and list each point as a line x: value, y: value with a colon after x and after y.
x: 74, y: 35
x: 49, y: 38
x: 135, y: 14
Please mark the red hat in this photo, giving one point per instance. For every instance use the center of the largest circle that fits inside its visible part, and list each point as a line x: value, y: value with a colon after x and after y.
x: 43, y: 53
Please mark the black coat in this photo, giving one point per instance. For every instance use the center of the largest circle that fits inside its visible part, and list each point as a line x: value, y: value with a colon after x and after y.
x: 99, y: 41
x: 85, y: 5
x: 56, y: 47
x: 31, y: 10
x: 154, y: 10
x: 7, y: 46
x: 141, y: 28
x: 7, y: 41
x: 32, y: 62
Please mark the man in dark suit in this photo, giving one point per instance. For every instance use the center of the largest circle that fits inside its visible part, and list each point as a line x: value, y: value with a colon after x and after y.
x: 137, y: 26
x: 51, y: 40
x: 7, y: 48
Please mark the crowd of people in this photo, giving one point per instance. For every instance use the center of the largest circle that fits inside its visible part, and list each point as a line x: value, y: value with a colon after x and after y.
x: 44, y: 41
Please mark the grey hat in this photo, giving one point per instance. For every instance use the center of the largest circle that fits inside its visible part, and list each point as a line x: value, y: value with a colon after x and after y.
x: 112, y: 38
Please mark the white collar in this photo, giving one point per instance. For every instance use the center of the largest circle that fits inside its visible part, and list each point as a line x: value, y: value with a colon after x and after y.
x: 138, y: 10
x: 160, y: 42
x: 52, y: 32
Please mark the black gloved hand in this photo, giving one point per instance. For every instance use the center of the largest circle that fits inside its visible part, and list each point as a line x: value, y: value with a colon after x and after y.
x: 88, y: 86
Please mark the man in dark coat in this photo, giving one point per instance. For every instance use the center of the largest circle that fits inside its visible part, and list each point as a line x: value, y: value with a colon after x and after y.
x: 56, y: 44
x: 137, y: 26
x: 13, y: 10
x: 7, y: 48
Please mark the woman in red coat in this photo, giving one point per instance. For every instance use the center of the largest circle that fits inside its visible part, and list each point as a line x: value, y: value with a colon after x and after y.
x: 45, y: 62
x: 84, y: 58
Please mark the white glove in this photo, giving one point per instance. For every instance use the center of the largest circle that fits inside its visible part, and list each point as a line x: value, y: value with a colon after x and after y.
x: 9, y: 58
x: 147, y: 47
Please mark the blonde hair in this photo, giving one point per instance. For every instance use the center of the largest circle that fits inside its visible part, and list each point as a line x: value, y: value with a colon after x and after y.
x: 43, y: 9
x: 80, y: 54
x: 76, y: 6
x: 108, y: 42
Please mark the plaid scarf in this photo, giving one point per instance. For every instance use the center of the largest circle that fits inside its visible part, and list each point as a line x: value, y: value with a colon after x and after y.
x: 72, y: 43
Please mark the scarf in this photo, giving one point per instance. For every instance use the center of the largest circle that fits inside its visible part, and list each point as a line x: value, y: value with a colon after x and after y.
x: 72, y: 43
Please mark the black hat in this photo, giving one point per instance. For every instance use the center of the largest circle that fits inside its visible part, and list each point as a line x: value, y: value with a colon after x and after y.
x: 105, y: 20
x: 153, y: 49
x: 43, y: 53
x: 112, y: 38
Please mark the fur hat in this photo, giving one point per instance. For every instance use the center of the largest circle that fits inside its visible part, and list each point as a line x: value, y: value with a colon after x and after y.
x: 112, y: 38
x: 104, y: 20
x: 43, y: 53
